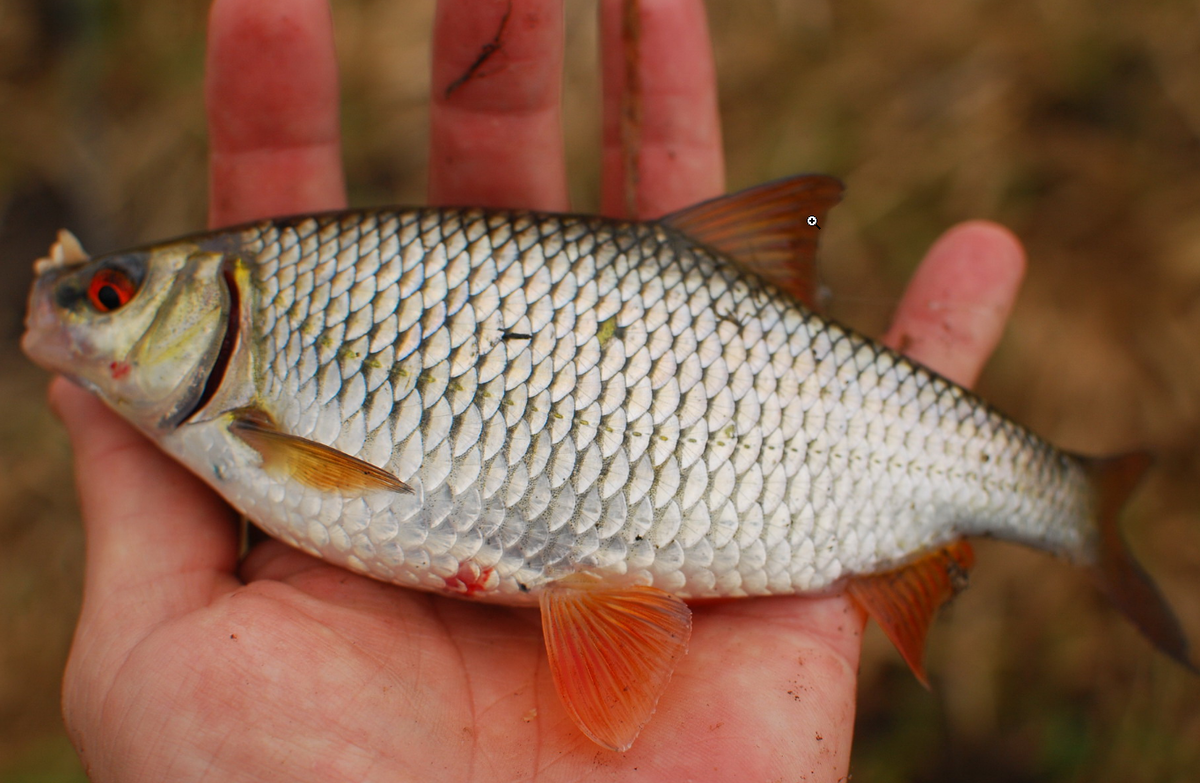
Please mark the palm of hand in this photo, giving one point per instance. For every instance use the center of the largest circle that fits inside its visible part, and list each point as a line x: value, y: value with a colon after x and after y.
x: 307, y: 671
x: 187, y: 665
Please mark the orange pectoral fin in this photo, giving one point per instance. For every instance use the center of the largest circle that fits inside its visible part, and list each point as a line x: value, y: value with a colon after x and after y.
x: 612, y: 651
x: 903, y: 600
x: 309, y: 462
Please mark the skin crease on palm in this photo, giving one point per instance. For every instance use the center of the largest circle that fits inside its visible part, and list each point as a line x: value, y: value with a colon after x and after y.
x: 189, y: 665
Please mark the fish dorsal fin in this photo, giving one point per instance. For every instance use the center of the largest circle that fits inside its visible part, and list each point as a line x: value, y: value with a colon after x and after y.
x: 904, y: 600
x: 612, y: 651
x: 770, y: 230
x: 307, y: 461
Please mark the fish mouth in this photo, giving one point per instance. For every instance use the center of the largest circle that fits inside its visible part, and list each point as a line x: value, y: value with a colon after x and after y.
x: 45, y: 340
x: 53, y: 355
x: 47, y: 343
x: 229, y: 343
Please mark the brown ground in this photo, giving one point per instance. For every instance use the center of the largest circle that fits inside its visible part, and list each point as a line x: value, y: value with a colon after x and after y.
x: 1074, y: 122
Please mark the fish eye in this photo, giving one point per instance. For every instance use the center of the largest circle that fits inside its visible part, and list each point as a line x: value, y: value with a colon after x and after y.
x: 110, y: 289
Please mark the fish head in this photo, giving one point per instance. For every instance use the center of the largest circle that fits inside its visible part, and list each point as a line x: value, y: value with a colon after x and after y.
x: 142, y: 329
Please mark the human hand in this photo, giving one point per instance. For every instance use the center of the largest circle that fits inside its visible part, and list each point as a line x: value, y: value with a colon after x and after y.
x: 188, y: 664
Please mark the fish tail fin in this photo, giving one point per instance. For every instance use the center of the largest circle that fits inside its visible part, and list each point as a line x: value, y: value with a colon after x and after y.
x: 1119, y: 575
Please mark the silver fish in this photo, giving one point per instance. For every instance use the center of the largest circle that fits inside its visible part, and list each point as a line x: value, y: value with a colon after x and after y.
x: 604, y: 418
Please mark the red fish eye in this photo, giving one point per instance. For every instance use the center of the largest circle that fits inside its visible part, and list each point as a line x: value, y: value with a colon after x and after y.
x: 110, y: 289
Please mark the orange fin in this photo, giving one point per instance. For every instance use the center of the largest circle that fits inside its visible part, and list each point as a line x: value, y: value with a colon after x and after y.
x: 1121, y: 578
x: 307, y: 461
x: 770, y: 230
x: 612, y: 651
x: 903, y: 600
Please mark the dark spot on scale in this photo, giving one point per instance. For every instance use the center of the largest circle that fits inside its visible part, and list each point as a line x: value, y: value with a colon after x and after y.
x: 233, y: 636
x: 522, y: 588
x: 516, y: 336
x: 958, y: 576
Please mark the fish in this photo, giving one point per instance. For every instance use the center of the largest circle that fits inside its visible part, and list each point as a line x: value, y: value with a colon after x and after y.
x: 606, y: 419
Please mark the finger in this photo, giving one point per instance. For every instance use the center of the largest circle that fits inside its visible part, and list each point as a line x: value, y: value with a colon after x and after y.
x: 496, y: 116
x: 272, y: 97
x: 953, y: 313
x: 277, y: 561
x: 676, y: 145
x: 799, y: 655
x: 159, y: 542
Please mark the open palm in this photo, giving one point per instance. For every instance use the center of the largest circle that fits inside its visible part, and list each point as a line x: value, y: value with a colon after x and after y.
x: 188, y: 664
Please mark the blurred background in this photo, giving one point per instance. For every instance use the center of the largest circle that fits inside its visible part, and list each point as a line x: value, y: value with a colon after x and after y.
x: 1074, y: 122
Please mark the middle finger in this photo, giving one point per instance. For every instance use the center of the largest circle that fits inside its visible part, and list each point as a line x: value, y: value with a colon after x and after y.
x: 496, y: 117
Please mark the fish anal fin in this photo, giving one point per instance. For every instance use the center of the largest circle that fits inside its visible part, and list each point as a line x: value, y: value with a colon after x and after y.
x: 612, y: 650
x: 311, y: 463
x: 904, y: 600
x: 767, y: 229
x: 1119, y: 575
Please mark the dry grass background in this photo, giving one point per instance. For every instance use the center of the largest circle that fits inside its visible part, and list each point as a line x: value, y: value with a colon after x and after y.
x: 1074, y: 122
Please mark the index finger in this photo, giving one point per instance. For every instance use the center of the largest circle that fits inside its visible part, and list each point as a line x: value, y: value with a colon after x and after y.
x: 272, y: 102
x: 271, y: 92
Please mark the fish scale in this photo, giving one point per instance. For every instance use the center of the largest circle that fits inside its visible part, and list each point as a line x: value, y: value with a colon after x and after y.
x: 749, y: 472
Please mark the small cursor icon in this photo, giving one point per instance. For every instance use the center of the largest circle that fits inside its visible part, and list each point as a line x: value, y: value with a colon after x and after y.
x: 812, y: 221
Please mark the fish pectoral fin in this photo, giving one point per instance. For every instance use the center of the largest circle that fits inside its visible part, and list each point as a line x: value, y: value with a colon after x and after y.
x: 904, y: 600
x: 612, y: 651
x: 770, y: 230
x: 311, y: 463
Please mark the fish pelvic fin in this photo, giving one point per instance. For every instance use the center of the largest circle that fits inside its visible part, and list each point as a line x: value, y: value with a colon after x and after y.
x: 904, y: 600
x: 770, y: 230
x: 612, y: 651
x: 314, y: 464
x: 1117, y: 573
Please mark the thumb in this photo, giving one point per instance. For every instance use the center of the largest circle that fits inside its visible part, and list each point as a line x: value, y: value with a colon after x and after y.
x: 159, y: 542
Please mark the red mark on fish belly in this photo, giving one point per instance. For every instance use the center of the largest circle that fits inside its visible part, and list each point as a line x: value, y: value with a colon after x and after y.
x: 470, y: 579
x: 118, y: 370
